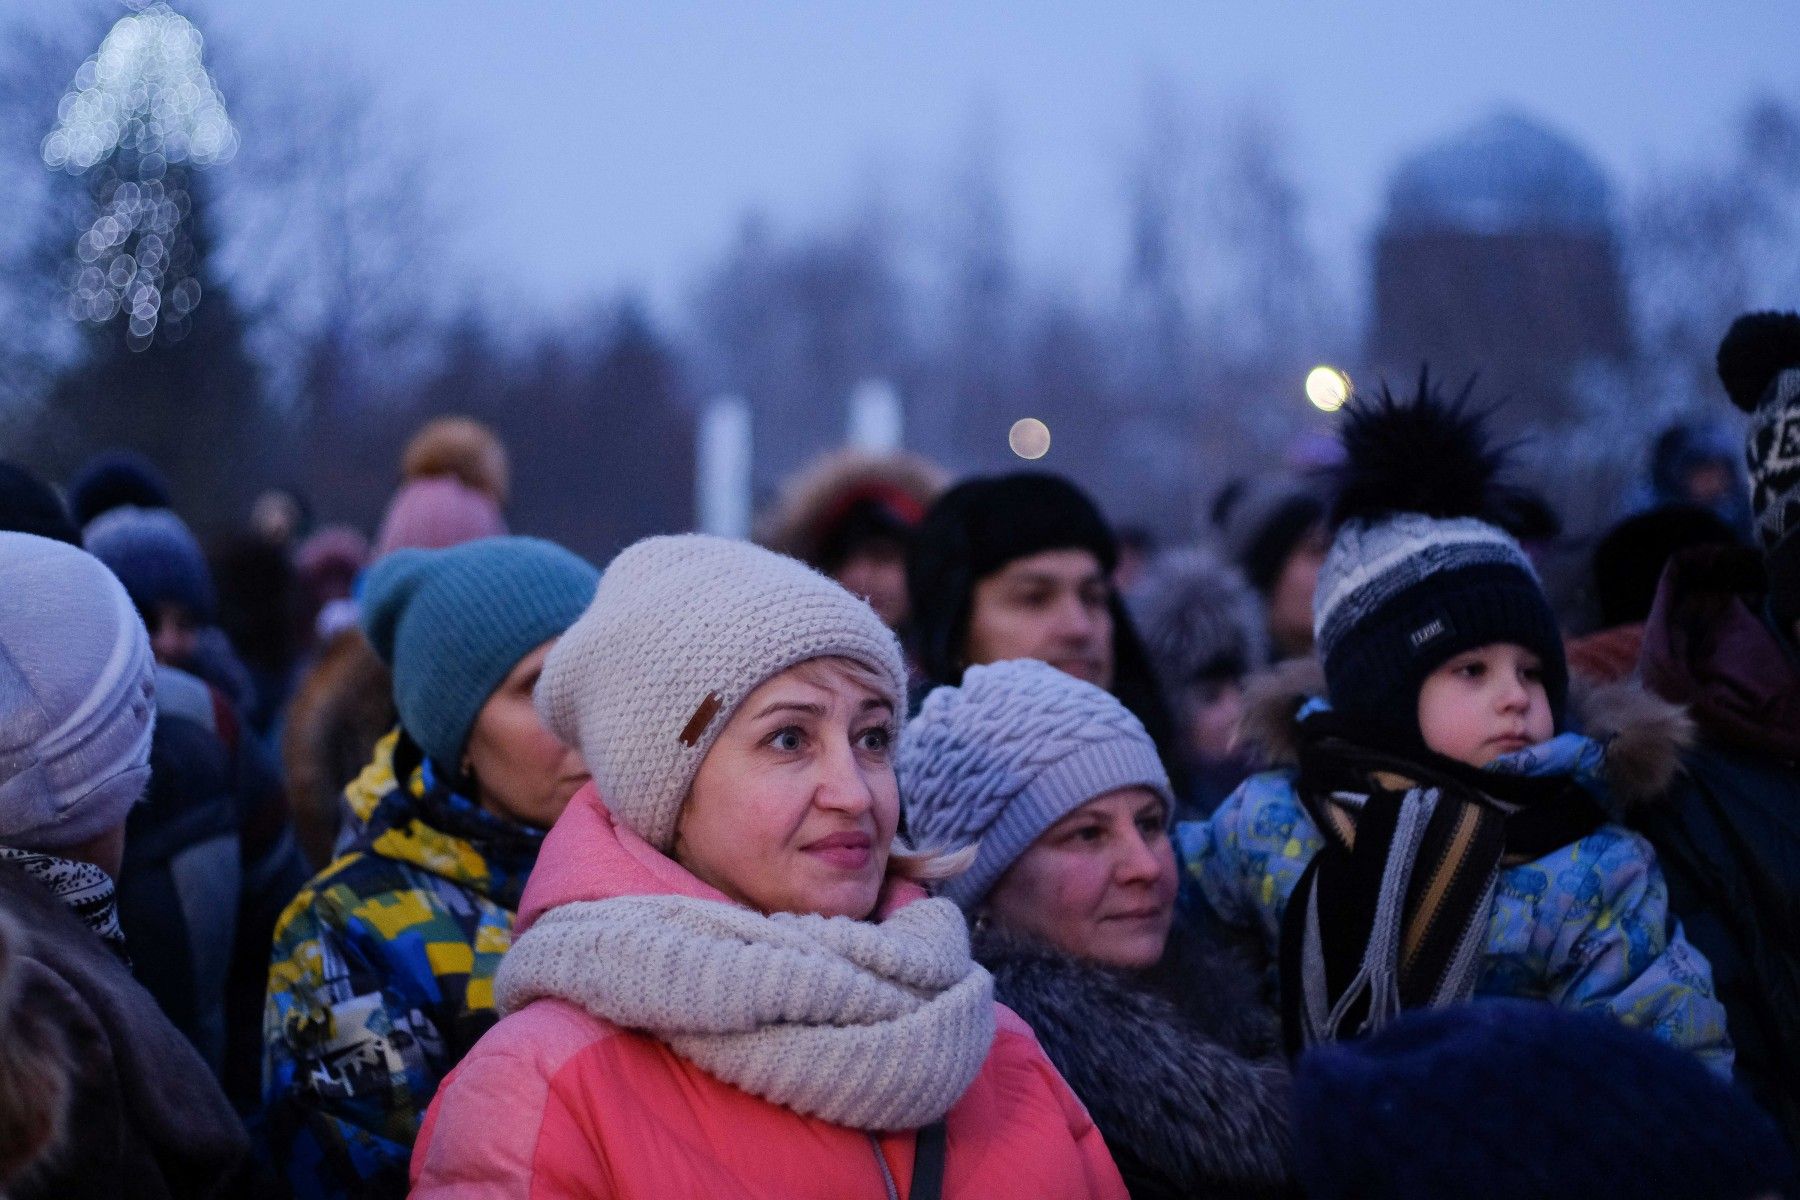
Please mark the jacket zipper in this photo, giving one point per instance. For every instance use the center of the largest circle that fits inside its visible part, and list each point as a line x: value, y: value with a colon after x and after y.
x: 887, y: 1176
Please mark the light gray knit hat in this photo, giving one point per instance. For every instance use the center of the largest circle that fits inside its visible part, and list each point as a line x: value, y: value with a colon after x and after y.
x: 77, y: 696
x: 1200, y: 619
x: 681, y: 630
x: 1011, y: 752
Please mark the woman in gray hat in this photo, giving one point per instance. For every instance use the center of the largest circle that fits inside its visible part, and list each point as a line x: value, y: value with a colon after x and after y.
x: 1072, y: 897
x: 727, y: 981
x: 144, y: 1115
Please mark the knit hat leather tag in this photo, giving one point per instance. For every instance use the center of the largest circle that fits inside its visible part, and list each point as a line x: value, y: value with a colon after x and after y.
x: 1434, y: 630
x: 703, y: 716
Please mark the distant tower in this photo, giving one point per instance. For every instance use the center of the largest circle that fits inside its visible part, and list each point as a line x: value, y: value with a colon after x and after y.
x: 1498, y: 254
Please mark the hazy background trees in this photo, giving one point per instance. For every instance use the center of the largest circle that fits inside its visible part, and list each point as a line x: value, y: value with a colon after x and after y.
x: 341, y: 302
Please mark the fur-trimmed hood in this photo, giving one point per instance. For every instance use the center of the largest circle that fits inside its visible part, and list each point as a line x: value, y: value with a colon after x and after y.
x: 1644, y: 735
x: 341, y: 709
x: 810, y: 501
x: 1178, y: 1066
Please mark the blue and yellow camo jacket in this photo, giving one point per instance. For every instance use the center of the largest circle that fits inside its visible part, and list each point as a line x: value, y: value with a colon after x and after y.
x: 382, y: 977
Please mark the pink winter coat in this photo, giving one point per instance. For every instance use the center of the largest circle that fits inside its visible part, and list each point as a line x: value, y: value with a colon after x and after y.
x: 555, y: 1102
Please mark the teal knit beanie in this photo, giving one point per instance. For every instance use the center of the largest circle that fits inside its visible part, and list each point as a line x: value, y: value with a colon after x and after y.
x: 451, y: 624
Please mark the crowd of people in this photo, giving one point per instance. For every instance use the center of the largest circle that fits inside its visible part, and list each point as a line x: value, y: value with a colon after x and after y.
x: 941, y: 841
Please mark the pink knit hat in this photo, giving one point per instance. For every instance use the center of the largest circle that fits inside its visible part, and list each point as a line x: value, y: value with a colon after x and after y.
x: 436, y: 513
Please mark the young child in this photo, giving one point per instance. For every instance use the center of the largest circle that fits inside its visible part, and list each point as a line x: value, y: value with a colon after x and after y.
x: 1441, y: 832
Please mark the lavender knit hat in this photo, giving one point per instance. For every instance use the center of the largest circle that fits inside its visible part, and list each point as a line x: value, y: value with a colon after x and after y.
x: 680, y: 631
x: 1016, y: 748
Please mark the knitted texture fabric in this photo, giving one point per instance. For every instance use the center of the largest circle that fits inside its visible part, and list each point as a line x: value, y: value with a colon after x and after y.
x: 157, y: 558
x: 1518, y: 1099
x: 452, y: 624
x: 1772, y: 452
x: 680, y: 631
x: 876, y: 1026
x: 437, y: 513
x: 77, y: 696
x: 1016, y: 748
x: 1400, y: 596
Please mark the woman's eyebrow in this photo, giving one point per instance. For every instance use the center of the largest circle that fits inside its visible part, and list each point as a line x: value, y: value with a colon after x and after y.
x: 811, y: 710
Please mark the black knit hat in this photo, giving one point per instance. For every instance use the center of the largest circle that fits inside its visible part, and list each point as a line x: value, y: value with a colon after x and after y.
x: 1421, y: 566
x: 1262, y: 522
x: 1628, y: 563
x: 28, y: 505
x: 1520, y: 1099
x: 113, y: 480
x: 1759, y: 364
x: 974, y: 530
x: 979, y: 526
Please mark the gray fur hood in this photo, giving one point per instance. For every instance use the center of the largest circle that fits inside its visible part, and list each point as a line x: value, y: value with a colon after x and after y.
x: 1644, y: 735
x: 1190, y: 1094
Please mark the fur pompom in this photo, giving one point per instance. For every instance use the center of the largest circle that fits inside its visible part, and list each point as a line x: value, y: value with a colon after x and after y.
x: 1424, y: 454
x: 464, y: 449
x: 1757, y: 347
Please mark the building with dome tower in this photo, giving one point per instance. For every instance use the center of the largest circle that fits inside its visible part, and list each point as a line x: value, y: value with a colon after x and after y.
x: 1498, y: 254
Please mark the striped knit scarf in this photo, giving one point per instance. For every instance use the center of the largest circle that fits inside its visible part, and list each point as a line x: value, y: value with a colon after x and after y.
x: 869, y: 1025
x: 1392, y: 913
x: 84, y: 888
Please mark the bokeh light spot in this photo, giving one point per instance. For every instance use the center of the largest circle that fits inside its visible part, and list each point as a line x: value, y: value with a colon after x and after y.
x: 1029, y: 438
x: 1327, y: 388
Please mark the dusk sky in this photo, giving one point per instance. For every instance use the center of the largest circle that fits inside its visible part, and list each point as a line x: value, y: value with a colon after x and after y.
x: 616, y: 146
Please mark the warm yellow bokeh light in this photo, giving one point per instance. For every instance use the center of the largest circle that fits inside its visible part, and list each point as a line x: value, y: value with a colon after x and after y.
x: 1328, y: 388
x: 1029, y: 438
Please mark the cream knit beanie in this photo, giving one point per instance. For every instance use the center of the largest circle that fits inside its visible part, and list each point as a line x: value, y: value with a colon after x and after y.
x: 680, y: 631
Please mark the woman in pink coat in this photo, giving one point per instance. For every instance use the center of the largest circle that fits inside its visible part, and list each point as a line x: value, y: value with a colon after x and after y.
x: 726, y: 980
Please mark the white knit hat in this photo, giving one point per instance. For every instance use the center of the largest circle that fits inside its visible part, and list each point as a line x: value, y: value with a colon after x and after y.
x: 77, y: 696
x: 680, y: 631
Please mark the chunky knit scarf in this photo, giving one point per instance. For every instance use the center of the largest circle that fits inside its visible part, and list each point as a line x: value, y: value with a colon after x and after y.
x: 1392, y: 913
x: 874, y: 1026
x: 84, y: 888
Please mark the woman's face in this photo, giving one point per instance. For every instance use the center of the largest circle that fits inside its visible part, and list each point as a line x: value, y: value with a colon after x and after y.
x: 1291, y: 599
x: 522, y: 773
x: 1054, y: 606
x: 795, y: 806
x: 1099, y: 884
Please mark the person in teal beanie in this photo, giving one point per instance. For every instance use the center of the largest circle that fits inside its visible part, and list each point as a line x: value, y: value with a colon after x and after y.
x: 381, y: 974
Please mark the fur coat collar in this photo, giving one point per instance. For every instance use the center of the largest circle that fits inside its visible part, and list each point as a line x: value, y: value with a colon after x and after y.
x: 1178, y: 1066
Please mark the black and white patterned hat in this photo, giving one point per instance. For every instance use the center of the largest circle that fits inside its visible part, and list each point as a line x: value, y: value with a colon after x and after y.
x: 1759, y: 364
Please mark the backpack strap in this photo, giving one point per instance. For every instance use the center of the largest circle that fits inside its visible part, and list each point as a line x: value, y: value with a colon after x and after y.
x: 928, y: 1164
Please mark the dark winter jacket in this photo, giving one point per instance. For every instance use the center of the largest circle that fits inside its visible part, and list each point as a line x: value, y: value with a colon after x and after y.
x: 1730, y: 843
x: 182, y: 872
x: 210, y: 862
x: 146, y: 1119
x: 1178, y: 1066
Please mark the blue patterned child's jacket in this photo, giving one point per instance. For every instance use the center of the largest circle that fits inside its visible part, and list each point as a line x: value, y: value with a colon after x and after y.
x: 1585, y: 927
x: 382, y: 977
